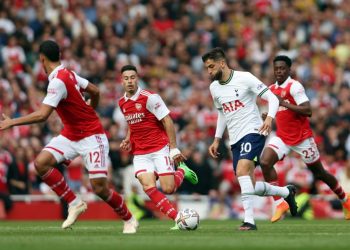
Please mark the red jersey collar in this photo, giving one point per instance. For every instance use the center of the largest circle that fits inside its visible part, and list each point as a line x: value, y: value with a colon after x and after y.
x: 54, y: 72
x: 134, y: 97
x: 284, y: 83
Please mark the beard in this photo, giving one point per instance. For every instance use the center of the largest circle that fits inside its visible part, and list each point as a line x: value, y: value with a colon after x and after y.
x: 217, y: 76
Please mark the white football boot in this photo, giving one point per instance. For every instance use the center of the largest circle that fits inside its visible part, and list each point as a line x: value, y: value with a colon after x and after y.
x: 73, y: 214
x: 130, y: 226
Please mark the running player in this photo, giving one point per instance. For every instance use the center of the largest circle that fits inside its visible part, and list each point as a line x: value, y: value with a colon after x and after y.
x: 151, y: 139
x: 294, y: 133
x: 234, y: 94
x: 82, y: 135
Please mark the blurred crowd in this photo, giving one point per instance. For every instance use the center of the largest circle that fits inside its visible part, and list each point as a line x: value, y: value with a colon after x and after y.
x: 165, y: 39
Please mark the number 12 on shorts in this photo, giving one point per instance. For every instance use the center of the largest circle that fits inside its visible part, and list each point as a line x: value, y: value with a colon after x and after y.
x: 95, y: 157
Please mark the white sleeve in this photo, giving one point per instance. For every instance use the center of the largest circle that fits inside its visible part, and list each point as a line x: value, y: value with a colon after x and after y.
x: 56, y: 91
x: 216, y: 103
x: 82, y: 82
x: 298, y: 92
x: 220, y: 124
x: 255, y: 85
x: 273, y: 102
x: 156, y: 106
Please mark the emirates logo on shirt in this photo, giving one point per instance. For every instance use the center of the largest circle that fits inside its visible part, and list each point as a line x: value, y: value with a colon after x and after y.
x: 138, y: 106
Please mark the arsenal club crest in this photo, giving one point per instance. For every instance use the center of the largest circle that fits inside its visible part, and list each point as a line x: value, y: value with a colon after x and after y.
x: 138, y: 106
x: 283, y: 93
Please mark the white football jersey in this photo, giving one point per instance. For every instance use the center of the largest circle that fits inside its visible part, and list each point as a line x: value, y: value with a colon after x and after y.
x: 237, y: 99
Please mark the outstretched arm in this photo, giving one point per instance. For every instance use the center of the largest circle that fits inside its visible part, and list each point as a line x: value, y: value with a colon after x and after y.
x: 38, y: 116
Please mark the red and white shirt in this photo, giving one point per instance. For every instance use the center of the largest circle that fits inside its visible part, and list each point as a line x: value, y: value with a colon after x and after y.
x: 143, y: 112
x: 292, y: 127
x: 64, y: 93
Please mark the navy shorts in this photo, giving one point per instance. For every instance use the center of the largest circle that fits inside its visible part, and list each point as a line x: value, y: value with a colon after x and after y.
x: 249, y: 147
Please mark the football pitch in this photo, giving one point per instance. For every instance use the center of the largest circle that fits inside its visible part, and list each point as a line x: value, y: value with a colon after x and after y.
x: 155, y: 234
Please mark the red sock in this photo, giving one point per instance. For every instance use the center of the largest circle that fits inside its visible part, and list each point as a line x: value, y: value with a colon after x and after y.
x: 275, y: 198
x: 162, y: 202
x: 55, y: 180
x: 179, y: 177
x: 338, y: 190
x: 116, y: 201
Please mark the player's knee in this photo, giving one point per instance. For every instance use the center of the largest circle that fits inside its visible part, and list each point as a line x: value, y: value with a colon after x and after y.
x: 41, y: 165
x: 101, y: 191
x: 168, y: 189
x: 264, y: 163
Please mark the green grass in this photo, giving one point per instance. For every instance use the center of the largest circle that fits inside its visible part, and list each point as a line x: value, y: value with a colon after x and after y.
x: 155, y: 234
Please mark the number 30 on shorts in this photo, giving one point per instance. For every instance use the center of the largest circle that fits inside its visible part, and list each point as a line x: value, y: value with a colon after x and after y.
x: 246, y: 147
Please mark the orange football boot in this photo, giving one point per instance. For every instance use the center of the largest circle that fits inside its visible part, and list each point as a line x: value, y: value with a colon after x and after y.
x: 281, y: 209
x: 346, y: 206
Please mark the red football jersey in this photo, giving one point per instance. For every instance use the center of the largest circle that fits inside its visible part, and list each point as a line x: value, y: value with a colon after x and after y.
x: 79, y: 119
x: 292, y: 127
x: 143, y: 113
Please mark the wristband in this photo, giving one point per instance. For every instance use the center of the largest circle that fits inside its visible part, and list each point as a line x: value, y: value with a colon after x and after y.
x: 174, y: 152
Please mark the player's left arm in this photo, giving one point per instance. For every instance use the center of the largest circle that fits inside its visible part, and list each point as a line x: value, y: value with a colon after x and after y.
x: 303, y: 106
x: 38, y: 116
x: 157, y: 107
x: 273, y: 103
x: 261, y: 90
x: 90, y: 88
x: 94, y: 92
x: 169, y: 127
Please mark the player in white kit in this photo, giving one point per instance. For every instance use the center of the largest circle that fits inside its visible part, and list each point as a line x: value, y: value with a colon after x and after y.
x: 234, y: 94
x: 82, y: 134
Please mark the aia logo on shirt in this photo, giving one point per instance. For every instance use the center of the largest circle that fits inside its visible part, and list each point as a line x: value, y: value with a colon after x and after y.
x: 232, y: 106
x: 138, y: 106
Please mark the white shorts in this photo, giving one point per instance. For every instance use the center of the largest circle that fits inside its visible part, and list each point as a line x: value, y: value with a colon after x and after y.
x: 158, y: 163
x: 307, y: 149
x: 93, y: 149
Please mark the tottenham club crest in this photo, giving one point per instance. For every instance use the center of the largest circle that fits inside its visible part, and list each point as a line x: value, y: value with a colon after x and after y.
x: 138, y: 106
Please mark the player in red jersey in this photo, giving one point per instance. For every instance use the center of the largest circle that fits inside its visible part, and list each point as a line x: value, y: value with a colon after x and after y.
x: 294, y: 133
x: 151, y: 139
x: 82, y: 135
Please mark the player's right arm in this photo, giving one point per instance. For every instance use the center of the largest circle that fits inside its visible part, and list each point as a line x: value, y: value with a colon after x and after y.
x: 125, y: 144
x: 56, y: 91
x: 38, y: 116
x: 220, y: 129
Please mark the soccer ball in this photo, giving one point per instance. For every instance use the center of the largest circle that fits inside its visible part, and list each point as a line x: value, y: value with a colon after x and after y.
x: 187, y: 219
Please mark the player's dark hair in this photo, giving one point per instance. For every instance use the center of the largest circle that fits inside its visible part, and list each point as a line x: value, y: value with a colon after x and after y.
x: 51, y: 50
x: 128, y: 67
x: 214, y: 54
x: 283, y: 58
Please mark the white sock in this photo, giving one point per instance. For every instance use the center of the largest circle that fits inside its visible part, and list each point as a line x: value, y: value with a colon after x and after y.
x: 266, y: 189
x: 277, y: 202
x: 247, y: 191
x: 75, y: 202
